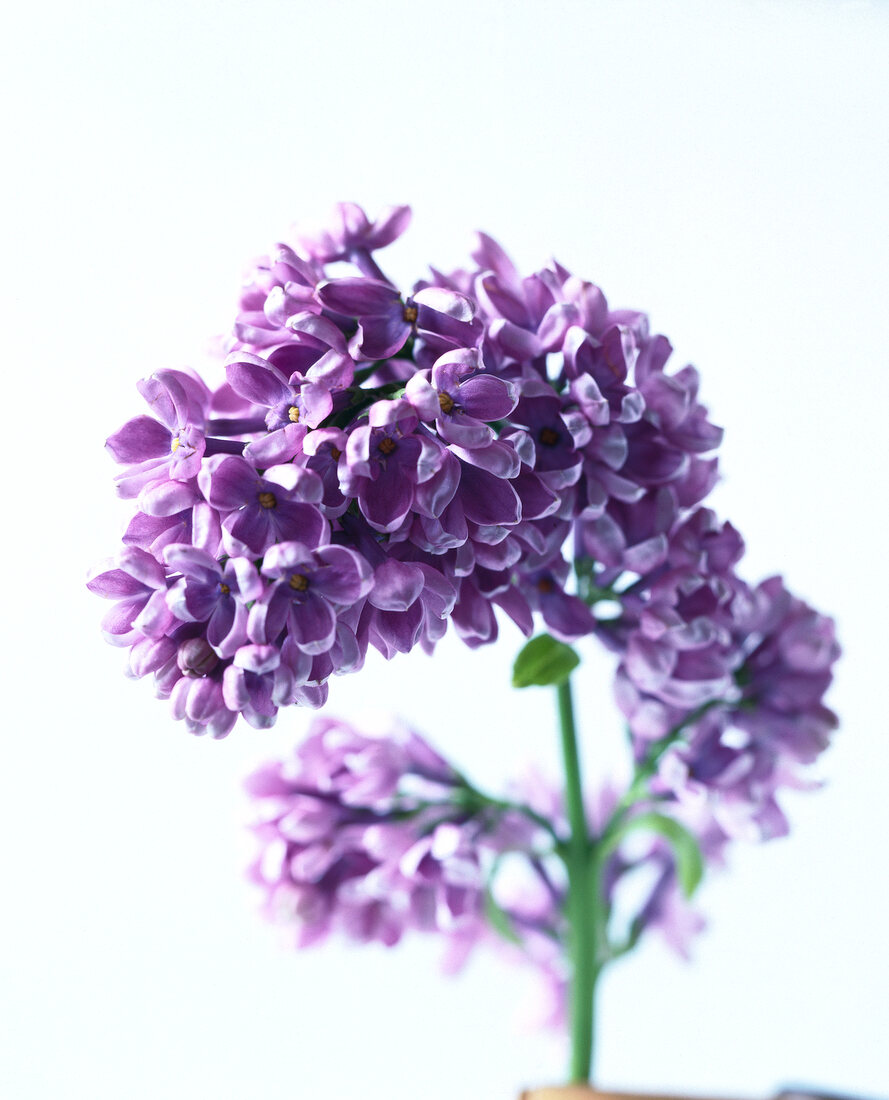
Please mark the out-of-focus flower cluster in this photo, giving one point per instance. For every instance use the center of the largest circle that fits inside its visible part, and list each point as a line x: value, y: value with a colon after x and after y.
x: 373, y: 836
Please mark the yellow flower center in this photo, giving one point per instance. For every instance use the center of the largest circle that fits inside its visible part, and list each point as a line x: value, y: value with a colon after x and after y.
x: 293, y: 413
x: 268, y: 500
x: 224, y: 588
x: 446, y: 402
x: 298, y: 582
x: 174, y: 444
x: 387, y: 445
x: 549, y: 437
x: 409, y: 314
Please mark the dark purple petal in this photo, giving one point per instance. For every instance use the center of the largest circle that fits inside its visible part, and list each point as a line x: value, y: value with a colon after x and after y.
x: 567, y: 617
x: 312, y: 623
x: 384, y: 503
x: 487, y: 499
x: 359, y: 297
x: 342, y: 575
x: 396, y: 585
x: 487, y: 398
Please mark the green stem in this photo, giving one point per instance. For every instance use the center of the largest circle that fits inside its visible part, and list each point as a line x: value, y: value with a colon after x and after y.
x: 584, y: 909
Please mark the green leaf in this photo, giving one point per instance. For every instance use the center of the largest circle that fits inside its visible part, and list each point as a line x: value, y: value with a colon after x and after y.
x: 686, y: 851
x: 543, y: 662
x: 500, y: 920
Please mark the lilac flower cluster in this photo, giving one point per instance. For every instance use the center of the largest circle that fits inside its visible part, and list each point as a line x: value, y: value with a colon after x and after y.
x: 378, y: 464
x: 371, y: 837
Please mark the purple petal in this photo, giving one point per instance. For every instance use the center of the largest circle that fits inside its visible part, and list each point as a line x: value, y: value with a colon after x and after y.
x: 390, y: 224
x: 251, y: 528
x: 115, y: 584
x: 256, y: 380
x: 343, y: 577
x: 487, y: 499
x: 432, y: 496
x: 258, y: 658
x: 118, y: 620
x: 228, y: 482
x: 279, y: 446
x: 143, y: 567
x: 380, y: 337
x: 422, y: 396
x: 165, y: 498
x: 193, y: 562
x: 488, y: 398
x: 247, y: 582
x: 139, y: 439
x: 359, y: 297
x: 568, y: 617
x: 498, y: 458
x: 396, y: 585
x: 386, y: 501
x: 313, y: 624
x: 447, y: 302
x: 302, y: 522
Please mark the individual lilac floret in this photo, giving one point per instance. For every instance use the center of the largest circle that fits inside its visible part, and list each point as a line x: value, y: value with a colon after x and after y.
x: 461, y: 399
x: 351, y: 234
x: 163, y: 452
x: 260, y: 509
x: 441, y: 318
x: 213, y: 594
x: 138, y: 584
x: 384, y: 460
x: 309, y: 586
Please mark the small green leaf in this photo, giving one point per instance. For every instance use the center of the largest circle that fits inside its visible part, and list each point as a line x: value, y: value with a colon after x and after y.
x: 500, y: 920
x: 543, y: 662
x: 686, y: 851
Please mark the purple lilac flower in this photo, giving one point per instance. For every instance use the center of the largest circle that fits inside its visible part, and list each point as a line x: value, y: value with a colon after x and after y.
x: 471, y: 441
x: 372, y: 837
x: 368, y: 837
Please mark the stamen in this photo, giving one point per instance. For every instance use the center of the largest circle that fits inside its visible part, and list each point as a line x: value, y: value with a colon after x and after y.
x: 445, y: 402
x: 224, y: 588
x: 293, y: 413
x: 549, y: 437
x: 174, y: 444
x: 335, y: 453
x: 267, y: 500
x: 387, y: 445
x: 409, y: 314
x: 298, y: 582
x: 545, y: 585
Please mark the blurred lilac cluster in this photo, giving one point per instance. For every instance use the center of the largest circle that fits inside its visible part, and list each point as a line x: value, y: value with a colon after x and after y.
x: 374, y: 836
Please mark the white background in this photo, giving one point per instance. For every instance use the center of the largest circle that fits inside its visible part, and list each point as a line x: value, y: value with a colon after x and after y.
x: 723, y: 165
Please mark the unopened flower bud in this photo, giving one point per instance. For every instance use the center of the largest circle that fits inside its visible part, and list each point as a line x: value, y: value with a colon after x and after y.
x: 196, y: 657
